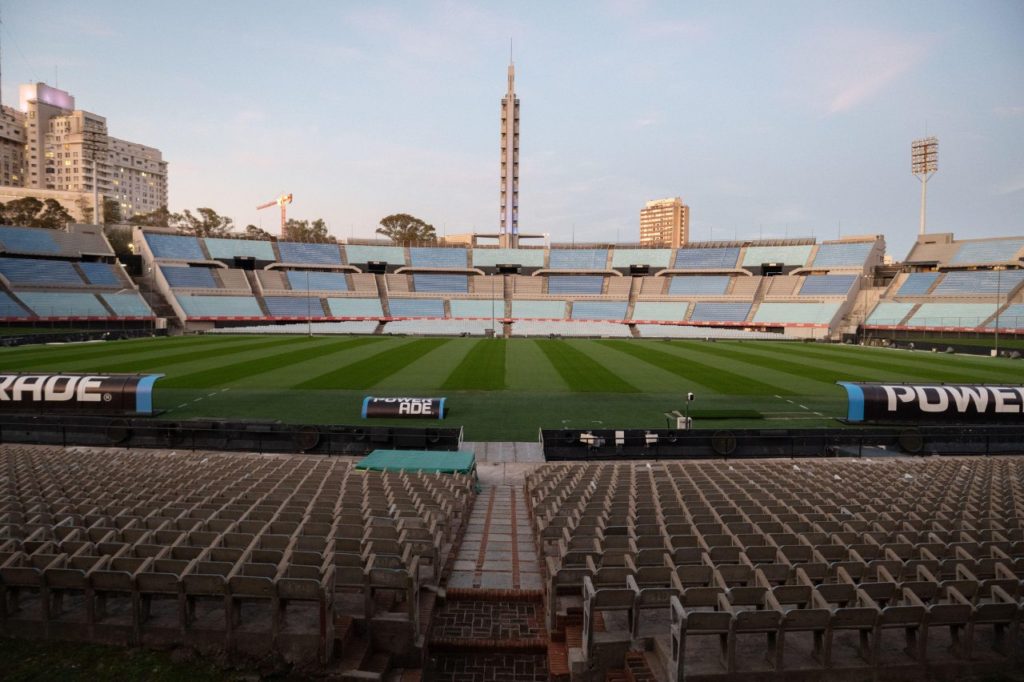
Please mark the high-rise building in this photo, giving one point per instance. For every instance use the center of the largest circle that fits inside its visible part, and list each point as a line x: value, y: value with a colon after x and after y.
x: 12, y: 146
x: 665, y: 222
x: 508, y: 232
x: 70, y: 150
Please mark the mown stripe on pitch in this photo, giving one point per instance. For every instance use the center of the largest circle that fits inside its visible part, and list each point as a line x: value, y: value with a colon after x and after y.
x: 370, y: 370
x: 482, y: 369
x: 218, y: 376
x: 580, y: 371
x: 960, y: 364
x: 895, y: 368
x: 751, y: 355
x: 105, y: 349
x: 718, y: 379
x: 162, y: 362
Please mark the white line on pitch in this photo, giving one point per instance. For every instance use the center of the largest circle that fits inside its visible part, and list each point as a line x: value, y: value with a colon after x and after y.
x: 182, y: 405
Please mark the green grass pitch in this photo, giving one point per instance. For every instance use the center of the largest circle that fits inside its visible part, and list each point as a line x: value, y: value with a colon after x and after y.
x: 504, y: 389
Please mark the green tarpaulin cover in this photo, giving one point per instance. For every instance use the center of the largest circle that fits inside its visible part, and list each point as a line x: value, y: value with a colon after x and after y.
x: 418, y: 460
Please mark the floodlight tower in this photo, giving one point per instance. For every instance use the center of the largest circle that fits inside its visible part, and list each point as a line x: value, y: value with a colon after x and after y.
x: 924, y: 162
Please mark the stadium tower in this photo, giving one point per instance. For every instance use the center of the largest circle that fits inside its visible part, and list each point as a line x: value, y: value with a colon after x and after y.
x: 508, y: 233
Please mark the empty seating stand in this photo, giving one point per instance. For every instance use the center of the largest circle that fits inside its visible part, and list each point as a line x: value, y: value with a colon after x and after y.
x: 184, y: 277
x: 704, y: 285
x: 988, y: 251
x: 575, y: 284
x: 174, y: 247
x: 417, y: 307
x: 310, y: 254
x: 39, y: 272
x: 578, y: 259
x: 102, y: 274
x: 306, y: 280
x: 708, y: 311
x: 895, y: 567
x: 827, y: 285
x: 978, y: 282
x: 197, y: 306
x: 843, y: 255
x: 599, y: 310
x: 294, y: 306
x: 437, y: 282
x: 712, y: 258
x: 917, y: 283
x: 434, y: 257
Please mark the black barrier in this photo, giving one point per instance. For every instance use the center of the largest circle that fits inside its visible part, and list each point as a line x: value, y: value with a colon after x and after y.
x: 238, y: 436
x: 945, y: 403
x: 403, y: 408
x: 601, y: 444
x: 82, y: 393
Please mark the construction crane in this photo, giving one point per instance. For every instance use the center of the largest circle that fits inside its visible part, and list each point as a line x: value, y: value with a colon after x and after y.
x: 281, y: 201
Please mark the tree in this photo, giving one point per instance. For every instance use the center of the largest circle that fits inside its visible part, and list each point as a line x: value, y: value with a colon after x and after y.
x: 161, y: 217
x: 204, y: 223
x: 403, y: 228
x: 111, y: 211
x: 85, y: 208
x: 120, y: 239
x: 306, y: 231
x: 253, y: 232
x: 31, y: 212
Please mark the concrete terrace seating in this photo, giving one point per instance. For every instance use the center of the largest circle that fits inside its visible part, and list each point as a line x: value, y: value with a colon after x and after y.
x: 575, y: 284
x: 827, y: 285
x: 660, y: 310
x: 696, y: 285
x: 8, y: 308
x: 184, y: 277
x: 417, y: 307
x: 713, y: 258
x: 477, y: 308
x: 434, y: 282
x: 917, y: 283
x: 355, y: 307
x: 357, y: 254
x: 766, y: 568
x: 796, y: 313
x: 39, y: 272
x: 978, y: 282
x: 228, y: 249
x: 843, y: 255
x: 310, y: 254
x: 951, y: 314
x: 1011, y: 317
x: 755, y: 256
x: 64, y: 304
x: 578, y: 259
x: 889, y: 313
x: 706, y: 311
x: 264, y: 556
x: 569, y: 328
x: 599, y: 310
x: 197, y: 306
x: 988, y: 251
x: 102, y: 274
x: 294, y: 306
x: 435, y: 257
x: 174, y: 247
x: 657, y: 259
x: 303, y: 280
x: 489, y: 258
x: 538, y: 309
x: 127, y: 304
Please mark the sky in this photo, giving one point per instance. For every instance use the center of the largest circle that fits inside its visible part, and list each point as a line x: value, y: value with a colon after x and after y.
x: 769, y: 119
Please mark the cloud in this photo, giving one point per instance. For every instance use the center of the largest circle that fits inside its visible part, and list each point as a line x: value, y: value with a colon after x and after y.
x: 1011, y: 186
x: 1009, y: 111
x: 845, y: 68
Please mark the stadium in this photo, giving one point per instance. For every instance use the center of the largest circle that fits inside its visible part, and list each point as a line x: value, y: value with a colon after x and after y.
x: 642, y: 463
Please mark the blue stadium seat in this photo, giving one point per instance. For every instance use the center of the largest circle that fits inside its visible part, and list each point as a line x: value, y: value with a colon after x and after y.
x: 27, y: 240
x: 355, y: 307
x: 988, y: 251
x: 417, y: 307
x: 227, y: 249
x: 220, y: 306
x: 951, y: 314
x: 538, y: 309
x: 720, y: 312
x: 827, y: 285
x: 39, y: 272
x: 707, y: 285
x: 127, y: 305
x: 599, y: 310
x: 63, y: 304
x: 656, y: 258
x: 174, y: 247
x: 436, y: 257
x: 1012, y: 317
x: 489, y: 258
x: 101, y: 274
x: 889, y: 313
x: 660, y: 310
x: 796, y: 313
x: 846, y: 254
x: 578, y: 259
x: 9, y: 308
x: 917, y: 283
x: 294, y: 306
x: 313, y: 254
x: 305, y: 280
x: 442, y: 282
x: 716, y: 258
x: 184, y: 277
x: 477, y: 308
x: 357, y: 253
x: 575, y: 284
x: 978, y: 282
x: 755, y: 256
